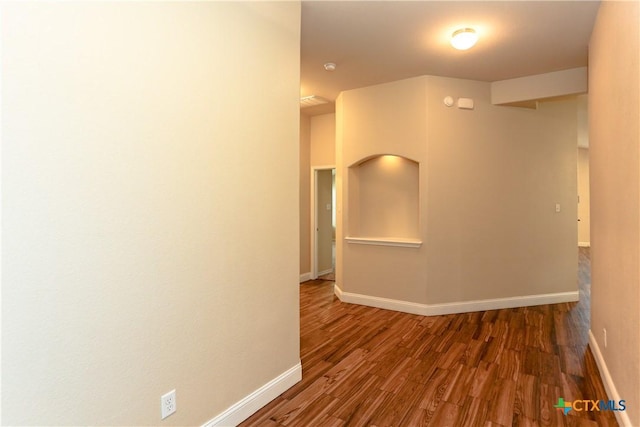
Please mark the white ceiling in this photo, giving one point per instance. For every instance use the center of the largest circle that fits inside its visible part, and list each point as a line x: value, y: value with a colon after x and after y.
x: 374, y: 42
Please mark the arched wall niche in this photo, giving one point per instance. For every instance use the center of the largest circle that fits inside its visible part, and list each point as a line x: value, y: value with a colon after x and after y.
x: 383, y: 197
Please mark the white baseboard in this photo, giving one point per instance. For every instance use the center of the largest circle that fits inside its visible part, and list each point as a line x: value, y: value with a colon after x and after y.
x: 609, y: 386
x: 337, y: 291
x: 249, y: 405
x: 305, y: 277
x: 584, y: 244
x: 454, y: 307
x: 379, y: 302
x: 499, y: 303
x: 323, y: 272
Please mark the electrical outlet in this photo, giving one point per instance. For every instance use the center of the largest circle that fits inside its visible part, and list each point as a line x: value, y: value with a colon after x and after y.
x: 168, y: 404
x: 604, y: 334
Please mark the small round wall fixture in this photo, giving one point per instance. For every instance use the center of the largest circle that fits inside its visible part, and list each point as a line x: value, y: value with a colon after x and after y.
x: 330, y: 66
x: 464, y: 38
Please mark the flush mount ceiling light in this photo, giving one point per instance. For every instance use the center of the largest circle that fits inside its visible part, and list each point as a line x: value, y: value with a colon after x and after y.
x: 464, y: 38
x: 330, y: 66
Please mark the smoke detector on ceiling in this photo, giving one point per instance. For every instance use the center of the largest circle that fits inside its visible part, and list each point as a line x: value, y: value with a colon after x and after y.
x: 330, y: 66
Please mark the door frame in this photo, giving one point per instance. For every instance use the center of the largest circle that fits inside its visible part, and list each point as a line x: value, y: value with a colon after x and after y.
x: 314, y: 217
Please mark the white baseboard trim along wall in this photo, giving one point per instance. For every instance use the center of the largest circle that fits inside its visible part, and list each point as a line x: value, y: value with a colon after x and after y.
x: 305, y: 277
x: 247, y: 406
x: 455, y: 307
x: 584, y: 244
x: 609, y: 386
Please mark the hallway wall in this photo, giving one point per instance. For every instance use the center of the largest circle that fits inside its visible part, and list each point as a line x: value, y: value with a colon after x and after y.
x: 614, y: 135
x: 149, y: 212
x: 317, y: 148
x: 323, y: 140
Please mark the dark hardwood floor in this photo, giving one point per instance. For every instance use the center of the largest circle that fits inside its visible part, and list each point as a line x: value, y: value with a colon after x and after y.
x: 370, y: 367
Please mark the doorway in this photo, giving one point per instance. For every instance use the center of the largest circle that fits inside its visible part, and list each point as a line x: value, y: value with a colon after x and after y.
x: 323, y: 222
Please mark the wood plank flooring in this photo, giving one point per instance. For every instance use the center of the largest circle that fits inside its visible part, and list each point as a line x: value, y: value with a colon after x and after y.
x: 365, y: 366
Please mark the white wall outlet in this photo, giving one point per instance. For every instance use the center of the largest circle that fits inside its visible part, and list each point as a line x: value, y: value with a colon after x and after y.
x: 168, y: 404
x: 604, y: 335
x: 557, y: 207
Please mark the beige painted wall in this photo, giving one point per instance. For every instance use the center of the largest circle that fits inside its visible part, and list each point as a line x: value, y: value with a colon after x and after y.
x: 320, y: 147
x: 584, y: 234
x: 133, y: 257
x: 305, y: 194
x: 382, y: 119
x: 489, y: 182
x: 323, y: 140
x: 494, y: 177
x: 614, y: 135
x: 325, y: 227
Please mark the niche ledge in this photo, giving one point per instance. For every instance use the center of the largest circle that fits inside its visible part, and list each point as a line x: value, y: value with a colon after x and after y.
x: 385, y: 241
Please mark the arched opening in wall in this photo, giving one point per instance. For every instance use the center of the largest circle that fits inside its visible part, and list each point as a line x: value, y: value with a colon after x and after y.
x: 384, y: 198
